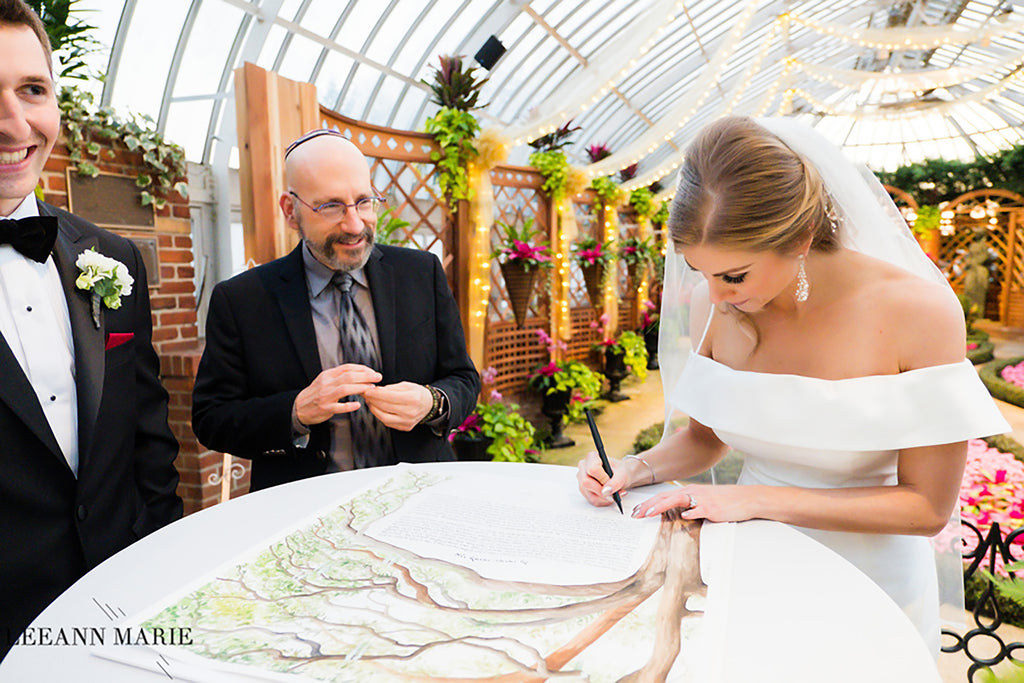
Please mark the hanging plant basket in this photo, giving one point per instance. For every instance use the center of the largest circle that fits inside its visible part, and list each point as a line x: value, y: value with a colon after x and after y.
x: 519, y: 285
x: 634, y: 273
x: 593, y: 274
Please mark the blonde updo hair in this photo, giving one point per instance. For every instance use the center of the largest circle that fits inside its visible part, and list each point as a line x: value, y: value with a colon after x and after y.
x: 742, y: 188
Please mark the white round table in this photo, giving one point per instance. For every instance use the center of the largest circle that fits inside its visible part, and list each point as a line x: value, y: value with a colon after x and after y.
x: 780, y: 606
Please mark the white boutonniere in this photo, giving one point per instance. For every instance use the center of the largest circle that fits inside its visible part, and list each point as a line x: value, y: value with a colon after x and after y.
x: 105, y: 279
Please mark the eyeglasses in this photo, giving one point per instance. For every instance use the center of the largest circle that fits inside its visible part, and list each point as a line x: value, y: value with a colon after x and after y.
x: 367, y: 207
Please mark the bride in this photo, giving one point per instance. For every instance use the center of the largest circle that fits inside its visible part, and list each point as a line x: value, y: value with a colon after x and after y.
x: 826, y: 348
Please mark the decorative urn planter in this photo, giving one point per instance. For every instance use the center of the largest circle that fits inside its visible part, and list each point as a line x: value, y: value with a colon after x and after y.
x: 615, y: 370
x: 555, y: 405
x: 472, y: 449
x: 650, y: 334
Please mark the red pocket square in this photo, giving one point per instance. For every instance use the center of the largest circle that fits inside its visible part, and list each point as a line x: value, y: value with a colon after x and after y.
x: 118, y: 338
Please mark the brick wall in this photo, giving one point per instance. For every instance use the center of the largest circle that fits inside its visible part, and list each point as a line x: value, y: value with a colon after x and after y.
x: 175, y: 333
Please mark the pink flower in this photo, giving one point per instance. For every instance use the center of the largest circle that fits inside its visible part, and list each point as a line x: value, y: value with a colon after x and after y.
x: 1014, y: 374
x: 972, y: 345
x: 591, y: 256
x: 992, y: 490
x: 549, y: 370
x: 489, y: 375
x: 496, y: 395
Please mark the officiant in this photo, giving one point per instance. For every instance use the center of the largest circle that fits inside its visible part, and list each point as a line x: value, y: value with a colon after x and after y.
x: 342, y: 354
x: 87, y: 457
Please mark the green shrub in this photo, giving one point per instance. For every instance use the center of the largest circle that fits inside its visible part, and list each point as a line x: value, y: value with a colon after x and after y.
x: 974, y: 587
x: 983, y: 353
x: 999, y: 387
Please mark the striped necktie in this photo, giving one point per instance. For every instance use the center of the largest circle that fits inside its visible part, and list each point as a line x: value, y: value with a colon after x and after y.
x: 371, y: 440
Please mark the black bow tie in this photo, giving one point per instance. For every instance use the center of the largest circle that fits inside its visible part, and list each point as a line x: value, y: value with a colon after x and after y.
x: 33, y: 236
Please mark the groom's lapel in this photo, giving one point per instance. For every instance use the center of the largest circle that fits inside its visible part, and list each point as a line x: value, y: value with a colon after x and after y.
x: 88, y: 341
x: 17, y: 392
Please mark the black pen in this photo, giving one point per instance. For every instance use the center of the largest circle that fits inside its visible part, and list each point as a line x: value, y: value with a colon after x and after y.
x: 604, y: 456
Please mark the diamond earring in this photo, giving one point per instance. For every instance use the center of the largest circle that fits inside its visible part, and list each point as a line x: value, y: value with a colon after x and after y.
x: 803, y: 288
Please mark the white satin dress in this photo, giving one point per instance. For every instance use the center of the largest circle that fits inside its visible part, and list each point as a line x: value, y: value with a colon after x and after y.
x: 815, y: 433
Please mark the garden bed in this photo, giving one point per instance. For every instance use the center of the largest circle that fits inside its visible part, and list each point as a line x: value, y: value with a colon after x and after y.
x: 991, y: 375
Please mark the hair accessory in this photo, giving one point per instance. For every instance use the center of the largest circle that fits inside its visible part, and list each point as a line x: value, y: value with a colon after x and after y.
x: 309, y: 136
x: 803, y: 288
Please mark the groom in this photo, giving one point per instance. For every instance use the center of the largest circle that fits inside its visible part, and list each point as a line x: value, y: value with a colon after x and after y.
x: 86, y: 455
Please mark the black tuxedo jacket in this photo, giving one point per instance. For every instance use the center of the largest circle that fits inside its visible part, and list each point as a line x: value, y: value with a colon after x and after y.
x: 54, y: 527
x: 261, y: 352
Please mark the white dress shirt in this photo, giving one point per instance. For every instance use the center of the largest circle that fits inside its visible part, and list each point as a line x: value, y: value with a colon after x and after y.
x: 35, y: 322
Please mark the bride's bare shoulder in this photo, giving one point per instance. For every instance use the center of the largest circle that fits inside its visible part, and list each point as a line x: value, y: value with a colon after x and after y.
x: 923, y: 318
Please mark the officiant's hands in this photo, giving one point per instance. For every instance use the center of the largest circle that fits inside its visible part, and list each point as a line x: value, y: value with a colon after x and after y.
x: 322, y: 399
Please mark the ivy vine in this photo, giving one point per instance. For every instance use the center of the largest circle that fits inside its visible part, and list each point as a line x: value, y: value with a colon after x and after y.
x: 608, y: 191
x: 454, y: 130
x: 85, y: 126
x: 642, y: 201
x: 660, y: 216
x: 554, y: 168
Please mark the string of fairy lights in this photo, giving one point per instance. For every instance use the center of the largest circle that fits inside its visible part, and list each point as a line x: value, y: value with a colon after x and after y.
x: 603, y: 73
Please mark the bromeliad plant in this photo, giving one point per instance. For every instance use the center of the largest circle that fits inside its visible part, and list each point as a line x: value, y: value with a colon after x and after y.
x: 456, y: 90
x: 588, y: 252
x: 517, y: 246
x: 634, y: 251
x: 557, y: 139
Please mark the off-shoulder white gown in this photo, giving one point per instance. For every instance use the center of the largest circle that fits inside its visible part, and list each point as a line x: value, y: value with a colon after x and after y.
x: 814, y: 433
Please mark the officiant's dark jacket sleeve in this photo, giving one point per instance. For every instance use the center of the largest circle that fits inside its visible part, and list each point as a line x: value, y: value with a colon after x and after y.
x: 53, y: 526
x: 261, y: 352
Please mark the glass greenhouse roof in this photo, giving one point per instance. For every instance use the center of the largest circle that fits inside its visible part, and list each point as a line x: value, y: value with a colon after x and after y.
x: 892, y: 82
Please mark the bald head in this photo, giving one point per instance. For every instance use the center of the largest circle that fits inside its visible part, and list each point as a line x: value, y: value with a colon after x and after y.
x: 326, y: 154
x: 329, y: 170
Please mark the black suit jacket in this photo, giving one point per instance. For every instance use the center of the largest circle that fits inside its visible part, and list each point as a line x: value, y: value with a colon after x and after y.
x: 54, y: 527
x: 261, y: 352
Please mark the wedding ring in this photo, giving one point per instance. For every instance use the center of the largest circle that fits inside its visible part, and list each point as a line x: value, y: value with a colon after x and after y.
x: 693, y: 501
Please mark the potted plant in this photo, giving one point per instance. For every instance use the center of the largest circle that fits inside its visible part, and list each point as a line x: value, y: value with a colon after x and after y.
x: 520, y: 261
x: 622, y: 355
x: 592, y: 257
x: 456, y: 90
x: 926, y: 229
x: 494, y: 430
x: 567, y: 387
x: 636, y: 254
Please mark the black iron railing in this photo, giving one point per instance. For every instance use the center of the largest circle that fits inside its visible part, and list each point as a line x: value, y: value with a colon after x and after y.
x: 987, y: 613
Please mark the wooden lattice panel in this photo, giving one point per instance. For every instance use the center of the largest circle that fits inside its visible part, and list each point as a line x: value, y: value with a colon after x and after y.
x: 584, y: 336
x: 953, y: 251
x: 514, y: 353
x: 413, y: 196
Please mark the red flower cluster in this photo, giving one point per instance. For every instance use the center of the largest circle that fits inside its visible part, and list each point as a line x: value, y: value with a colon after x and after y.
x: 521, y: 251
